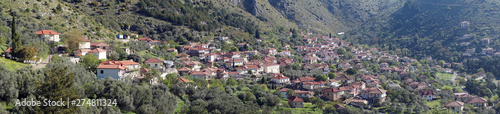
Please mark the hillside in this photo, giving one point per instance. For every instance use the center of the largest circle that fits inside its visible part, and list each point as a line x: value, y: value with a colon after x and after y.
x: 432, y: 28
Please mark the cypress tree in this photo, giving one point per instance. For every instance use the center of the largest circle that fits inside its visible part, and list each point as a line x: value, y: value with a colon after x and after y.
x: 16, y: 38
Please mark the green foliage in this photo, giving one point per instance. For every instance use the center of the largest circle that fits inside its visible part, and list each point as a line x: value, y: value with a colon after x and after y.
x: 89, y: 62
x: 231, y: 82
x: 57, y: 84
x: 16, y: 39
x: 73, y: 38
x: 332, y: 75
x: 321, y: 77
x: 351, y: 71
x: 27, y: 53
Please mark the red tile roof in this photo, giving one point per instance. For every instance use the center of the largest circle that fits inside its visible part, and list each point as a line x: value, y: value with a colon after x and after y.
x: 49, y: 32
x: 98, y: 44
x: 477, y: 100
x: 295, y: 99
x: 144, y: 39
x: 454, y: 104
x: 153, y: 60
x: 102, y: 66
x: 184, y: 69
x: 96, y: 50
x: 182, y: 80
x: 8, y: 50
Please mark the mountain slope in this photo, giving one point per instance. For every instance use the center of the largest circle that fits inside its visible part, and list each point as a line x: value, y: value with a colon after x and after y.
x: 432, y: 28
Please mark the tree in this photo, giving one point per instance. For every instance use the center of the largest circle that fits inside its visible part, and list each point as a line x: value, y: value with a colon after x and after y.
x: 290, y: 92
x: 231, y: 82
x: 321, y: 77
x: 351, y: 71
x: 57, y: 85
x: 27, y: 53
x: 257, y: 34
x: 90, y: 62
x: 441, y: 63
x: 73, y: 38
x: 16, y: 38
x: 332, y: 75
x: 340, y: 51
x: 3, y: 40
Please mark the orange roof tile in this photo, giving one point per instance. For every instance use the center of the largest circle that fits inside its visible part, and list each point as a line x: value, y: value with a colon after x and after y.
x: 49, y: 32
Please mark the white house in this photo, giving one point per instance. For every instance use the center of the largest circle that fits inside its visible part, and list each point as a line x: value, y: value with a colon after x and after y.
x: 48, y: 35
x: 101, y: 45
x: 280, y: 79
x: 271, y: 68
x: 84, y: 44
x: 99, y: 53
x: 154, y: 63
x: 117, y: 69
x: 111, y: 70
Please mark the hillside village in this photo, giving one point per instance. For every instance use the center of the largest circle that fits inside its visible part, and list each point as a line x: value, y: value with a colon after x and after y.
x: 338, y: 71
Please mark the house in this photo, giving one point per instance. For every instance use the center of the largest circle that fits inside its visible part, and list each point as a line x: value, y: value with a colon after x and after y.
x: 303, y: 80
x: 345, y: 65
x: 143, y: 71
x: 183, y: 70
x: 333, y: 83
x: 84, y: 44
x: 234, y: 62
x: 477, y: 102
x: 194, y: 65
x: 345, y: 79
x: 314, y: 85
x: 200, y: 74
x: 284, y: 93
x: 295, y: 102
x: 99, y: 53
x: 280, y: 79
x: 456, y: 106
x: 81, y: 52
x: 101, y: 45
x: 485, y: 41
x: 383, y: 65
x: 48, y: 35
x: 374, y: 94
x: 464, y: 24
x: 117, y: 69
x: 488, y: 51
x: 271, y: 68
x: 333, y: 94
x: 359, y: 102
x: 7, y: 53
x: 463, y: 96
x: 154, y: 63
x: 466, y: 36
x: 182, y: 80
x: 110, y: 70
x: 427, y: 94
x: 303, y: 94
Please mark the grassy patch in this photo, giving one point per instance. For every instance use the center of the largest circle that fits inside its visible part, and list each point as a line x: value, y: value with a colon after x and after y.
x: 7, y: 106
x: 180, y: 104
x: 433, y: 104
x: 443, y: 76
x: 11, y: 65
x: 308, y: 109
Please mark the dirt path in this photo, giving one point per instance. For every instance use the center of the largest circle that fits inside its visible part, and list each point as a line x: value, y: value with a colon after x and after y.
x: 43, y: 63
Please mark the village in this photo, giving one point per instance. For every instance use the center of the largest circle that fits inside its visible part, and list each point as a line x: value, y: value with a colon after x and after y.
x: 351, y: 75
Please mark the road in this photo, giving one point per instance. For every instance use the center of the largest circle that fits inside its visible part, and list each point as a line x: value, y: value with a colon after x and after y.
x: 454, y: 77
x: 43, y: 63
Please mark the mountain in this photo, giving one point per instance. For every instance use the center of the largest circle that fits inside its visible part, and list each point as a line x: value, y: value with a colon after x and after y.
x: 432, y: 28
x: 415, y: 28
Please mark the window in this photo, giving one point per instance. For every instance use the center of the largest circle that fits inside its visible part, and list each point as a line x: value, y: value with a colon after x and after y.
x: 103, y: 47
x: 102, y: 71
x: 156, y: 65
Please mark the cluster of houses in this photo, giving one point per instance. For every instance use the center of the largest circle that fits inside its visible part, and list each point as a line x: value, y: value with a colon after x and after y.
x: 317, y: 54
x: 469, y: 52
